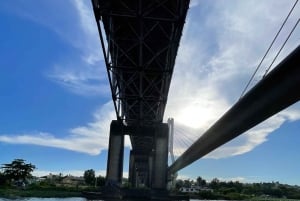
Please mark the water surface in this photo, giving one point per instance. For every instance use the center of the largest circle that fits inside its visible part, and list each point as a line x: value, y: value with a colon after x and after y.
x: 44, y: 199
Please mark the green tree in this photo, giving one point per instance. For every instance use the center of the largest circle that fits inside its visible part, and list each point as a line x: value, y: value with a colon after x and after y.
x: 201, y: 182
x: 187, y: 183
x: 89, y: 177
x: 101, y: 180
x: 2, y: 179
x: 215, y: 183
x: 178, y: 184
x: 17, y: 170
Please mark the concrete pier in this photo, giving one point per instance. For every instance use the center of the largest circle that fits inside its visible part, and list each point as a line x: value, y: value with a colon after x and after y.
x: 160, y: 162
x: 132, y: 170
x: 115, y: 155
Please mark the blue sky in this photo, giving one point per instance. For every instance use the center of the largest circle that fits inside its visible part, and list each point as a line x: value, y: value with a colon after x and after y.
x: 55, y: 98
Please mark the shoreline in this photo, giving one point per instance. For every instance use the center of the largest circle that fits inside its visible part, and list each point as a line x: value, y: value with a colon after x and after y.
x: 10, y: 193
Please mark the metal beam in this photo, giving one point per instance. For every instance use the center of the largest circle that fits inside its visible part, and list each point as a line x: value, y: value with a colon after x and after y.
x: 142, y: 38
x: 278, y: 90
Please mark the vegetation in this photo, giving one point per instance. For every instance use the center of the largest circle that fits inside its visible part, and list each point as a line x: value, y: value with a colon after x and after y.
x: 100, y: 180
x: 69, y: 186
x: 16, y: 181
x: 17, y: 170
x: 89, y: 177
x: 217, y: 189
x: 92, y: 180
x: 38, y: 191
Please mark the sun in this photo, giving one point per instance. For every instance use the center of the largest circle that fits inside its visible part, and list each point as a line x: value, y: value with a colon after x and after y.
x: 196, y: 115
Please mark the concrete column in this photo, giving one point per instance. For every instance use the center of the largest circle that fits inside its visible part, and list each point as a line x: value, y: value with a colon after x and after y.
x: 132, y: 170
x: 150, y: 167
x: 160, y: 163
x: 143, y: 170
x: 115, y: 154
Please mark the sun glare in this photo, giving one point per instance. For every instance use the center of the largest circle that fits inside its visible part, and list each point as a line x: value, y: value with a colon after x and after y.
x: 196, y: 115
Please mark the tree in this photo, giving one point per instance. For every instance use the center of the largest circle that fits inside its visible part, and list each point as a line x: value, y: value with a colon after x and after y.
x: 101, y: 180
x: 178, y: 184
x: 2, y: 179
x: 89, y: 176
x: 214, y: 184
x: 17, y: 170
x: 201, y: 182
x: 187, y: 183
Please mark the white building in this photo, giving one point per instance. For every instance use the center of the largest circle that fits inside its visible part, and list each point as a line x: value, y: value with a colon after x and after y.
x: 194, y: 189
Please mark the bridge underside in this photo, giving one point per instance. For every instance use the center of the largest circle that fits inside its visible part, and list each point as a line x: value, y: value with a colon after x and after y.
x: 139, y: 40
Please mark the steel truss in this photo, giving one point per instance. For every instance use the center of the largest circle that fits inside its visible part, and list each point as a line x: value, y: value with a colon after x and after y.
x: 142, y: 38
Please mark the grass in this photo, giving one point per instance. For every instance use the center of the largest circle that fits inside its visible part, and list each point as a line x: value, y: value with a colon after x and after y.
x: 273, y: 199
x: 44, y: 192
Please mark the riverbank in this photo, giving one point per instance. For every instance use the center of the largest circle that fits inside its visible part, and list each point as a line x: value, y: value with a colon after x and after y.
x: 13, y: 193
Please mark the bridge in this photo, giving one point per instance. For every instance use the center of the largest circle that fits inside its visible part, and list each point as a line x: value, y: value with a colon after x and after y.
x: 139, y: 40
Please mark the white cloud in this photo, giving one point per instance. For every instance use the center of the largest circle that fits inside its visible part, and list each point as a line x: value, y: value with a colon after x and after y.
x: 40, y: 173
x: 227, y: 179
x: 241, y: 179
x: 234, y: 179
x: 82, y: 80
x: 185, y: 177
x: 91, y: 138
x: 80, y: 69
x: 77, y: 173
x: 88, y: 25
x: 219, y: 51
x: 84, y: 72
x: 194, y: 3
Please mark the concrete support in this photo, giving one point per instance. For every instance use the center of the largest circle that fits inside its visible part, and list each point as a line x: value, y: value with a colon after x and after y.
x: 150, y: 164
x: 115, y: 154
x: 138, y: 170
x: 143, y: 170
x: 132, y: 170
x: 160, y: 160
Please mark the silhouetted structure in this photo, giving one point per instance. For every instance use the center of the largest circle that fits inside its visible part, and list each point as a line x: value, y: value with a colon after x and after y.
x: 142, y: 38
x: 139, y: 40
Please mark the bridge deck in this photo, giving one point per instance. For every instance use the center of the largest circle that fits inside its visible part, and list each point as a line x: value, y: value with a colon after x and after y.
x: 142, y: 38
x: 142, y: 41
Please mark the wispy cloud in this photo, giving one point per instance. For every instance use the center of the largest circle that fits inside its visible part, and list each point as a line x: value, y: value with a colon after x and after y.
x: 91, y: 138
x: 241, y: 179
x: 255, y: 136
x: 194, y: 3
x: 91, y: 45
x: 85, y: 74
x: 218, y: 53
x: 80, y: 70
x: 82, y: 79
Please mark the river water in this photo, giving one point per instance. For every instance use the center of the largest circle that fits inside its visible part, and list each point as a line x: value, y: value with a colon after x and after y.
x: 50, y: 199
x: 44, y: 199
x: 54, y: 199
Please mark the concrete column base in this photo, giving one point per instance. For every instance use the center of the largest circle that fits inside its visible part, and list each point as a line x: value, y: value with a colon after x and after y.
x: 115, y: 155
x: 160, y: 160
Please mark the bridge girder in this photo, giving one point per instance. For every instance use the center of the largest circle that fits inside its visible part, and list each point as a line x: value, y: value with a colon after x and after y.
x: 142, y: 38
x: 277, y: 91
